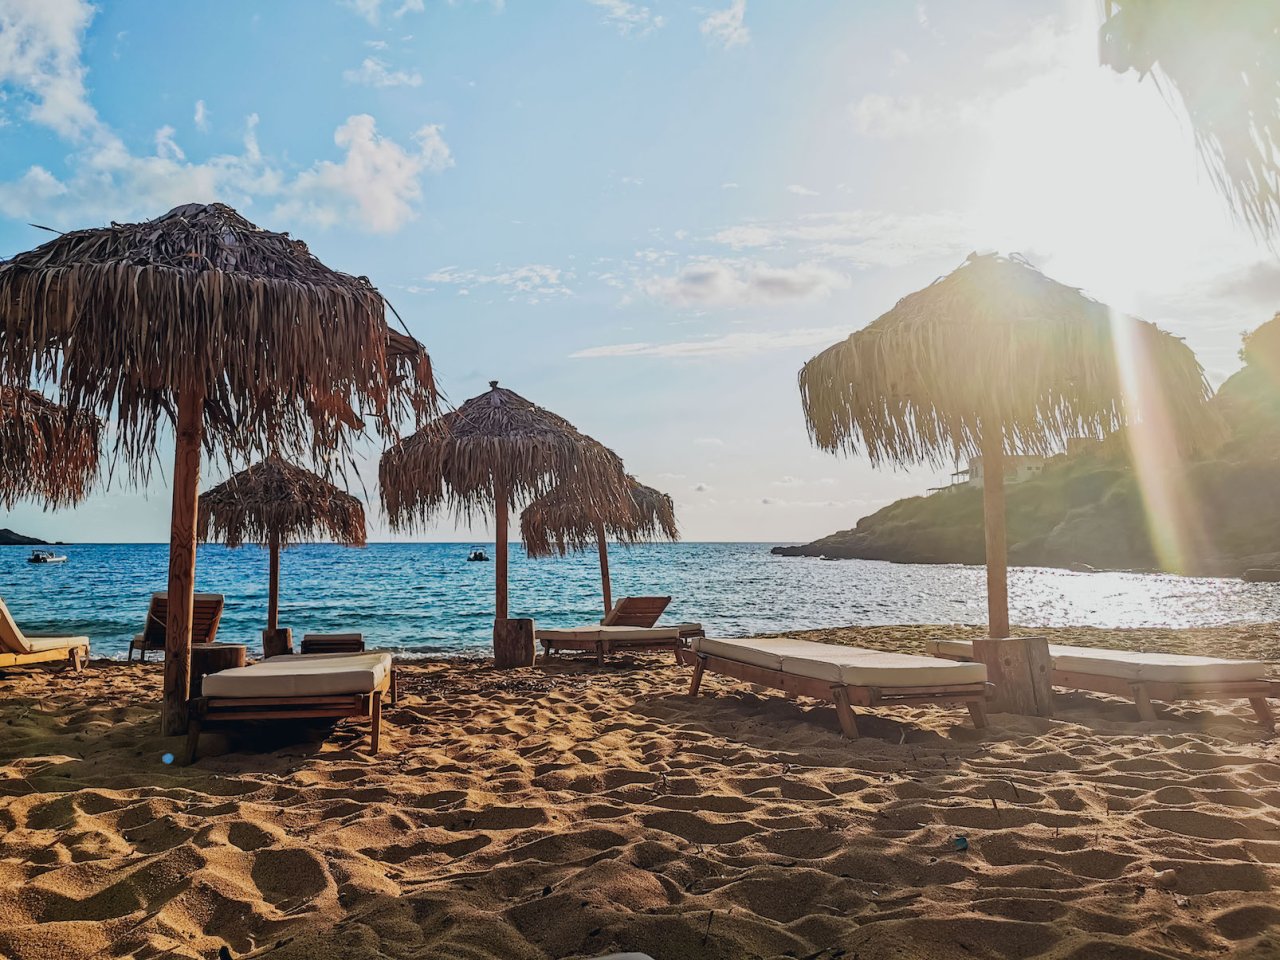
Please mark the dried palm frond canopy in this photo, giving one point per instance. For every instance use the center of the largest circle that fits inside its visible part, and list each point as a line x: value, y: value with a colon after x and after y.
x: 46, y: 452
x: 996, y: 358
x: 285, y: 351
x: 239, y: 335
x: 556, y: 522
x: 492, y: 453
x: 1222, y: 60
x: 996, y: 342
x: 277, y: 503
x: 275, y: 500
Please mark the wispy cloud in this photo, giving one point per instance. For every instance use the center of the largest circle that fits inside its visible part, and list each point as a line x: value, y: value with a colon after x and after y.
x: 629, y: 18
x: 373, y: 72
x: 201, y: 117
x: 724, y: 283
x: 728, y: 345
x: 531, y: 283
x: 863, y: 238
x: 728, y: 27
x: 800, y: 190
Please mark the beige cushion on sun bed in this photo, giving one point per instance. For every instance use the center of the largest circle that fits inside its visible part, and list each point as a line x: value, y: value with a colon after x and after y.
x: 852, y: 666
x: 1135, y: 667
x: 13, y: 640
x: 596, y: 632
x: 40, y: 643
x: 307, y: 675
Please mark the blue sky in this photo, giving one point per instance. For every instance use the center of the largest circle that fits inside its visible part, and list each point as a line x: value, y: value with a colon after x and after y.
x: 643, y: 215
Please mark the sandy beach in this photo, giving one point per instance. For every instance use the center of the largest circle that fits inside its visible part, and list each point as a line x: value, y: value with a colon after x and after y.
x: 572, y: 811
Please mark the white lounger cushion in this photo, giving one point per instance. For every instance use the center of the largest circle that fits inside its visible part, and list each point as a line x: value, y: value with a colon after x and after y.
x: 1127, y: 665
x: 594, y: 632
x: 305, y: 675
x: 36, y: 643
x: 852, y: 666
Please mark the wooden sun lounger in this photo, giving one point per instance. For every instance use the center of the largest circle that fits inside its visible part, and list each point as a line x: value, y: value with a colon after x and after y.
x: 18, y: 649
x: 604, y: 640
x: 1144, y: 677
x: 844, y: 676
x: 320, y: 685
x: 644, y: 612
x: 206, y: 614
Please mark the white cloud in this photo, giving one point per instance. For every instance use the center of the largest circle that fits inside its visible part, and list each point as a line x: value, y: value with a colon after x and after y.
x: 722, y: 283
x: 166, y: 147
x: 201, y: 117
x: 629, y: 18
x: 801, y: 191
x: 377, y: 184
x: 375, y: 73
x: 371, y: 10
x: 531, y: 282
x: 888, y: 118
x: 728, y: 185
x: 40, y: 56
x: 863, y: 238
x: 727, y: 27
x: 728, y: 345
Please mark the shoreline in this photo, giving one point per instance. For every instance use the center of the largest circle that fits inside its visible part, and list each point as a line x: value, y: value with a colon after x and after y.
x: 571, y: 811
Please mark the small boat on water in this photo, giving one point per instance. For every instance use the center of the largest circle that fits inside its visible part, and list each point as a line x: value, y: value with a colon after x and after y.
x: 477, y: 555
x: 45, y: 556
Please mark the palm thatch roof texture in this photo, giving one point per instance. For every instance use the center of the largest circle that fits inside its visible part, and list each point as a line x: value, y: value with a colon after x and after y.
x: 288, y: 352
x: 277, y: 500
x: 556, y: 522
x: 996, y: 342
x: 46, y: 451
x: 1222, y: 61
x: 496, y: 449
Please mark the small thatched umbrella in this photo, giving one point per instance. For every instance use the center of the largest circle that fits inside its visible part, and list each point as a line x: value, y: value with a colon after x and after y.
x: 238, y: 336
x: 277, y: 503
x: 46, y: 451
x: 492, y: 453
x: 997, y: 358
x: 556, y: 523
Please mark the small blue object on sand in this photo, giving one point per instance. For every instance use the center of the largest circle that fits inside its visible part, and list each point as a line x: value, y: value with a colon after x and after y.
x: 167, y: 758
x: 962, y: 842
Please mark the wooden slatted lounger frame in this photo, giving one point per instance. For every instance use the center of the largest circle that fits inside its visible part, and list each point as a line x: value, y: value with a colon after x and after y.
x: 605, y: 646
x: 1142, y: 692
x: 75, y: 658
x: 636, y: 612
x: 206, y: 710
x: 845, y: 697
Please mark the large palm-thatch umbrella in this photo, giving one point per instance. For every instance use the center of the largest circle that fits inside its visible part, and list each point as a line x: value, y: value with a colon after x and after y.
x: 556, y: 523
x: 279, y: 504
x: 997, y: 358
x: 1222, y: 61
x: 239, y: 336
x: 492, y: 453
x: 46, y: 451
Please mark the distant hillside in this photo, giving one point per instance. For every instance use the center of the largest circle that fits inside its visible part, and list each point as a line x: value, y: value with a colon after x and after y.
x: 10, y: 539
x: 1088, y: 509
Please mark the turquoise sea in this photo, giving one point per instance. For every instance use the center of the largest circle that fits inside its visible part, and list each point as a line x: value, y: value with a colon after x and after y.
x: 425, y: 598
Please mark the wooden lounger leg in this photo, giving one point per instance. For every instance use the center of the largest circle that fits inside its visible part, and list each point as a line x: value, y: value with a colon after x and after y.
x: 978, y: 712
x: 844, y: 711
x: 1263, y: 710
x: 193, y: 740
x: 1140, y: 697
x: 546, y: 651
x: 599, y: 653
x: 395, y: 686
x: 375, y: 735
x: 698, y: 668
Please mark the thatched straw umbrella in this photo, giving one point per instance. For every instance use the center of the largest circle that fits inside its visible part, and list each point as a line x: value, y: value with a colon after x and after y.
x: 278, y: 504
x: 1222, y: 61
x: 492, y: 453
x: 997, y: 358
x: 239, y: 336
x: 556, y: 523
x: 46, y: 451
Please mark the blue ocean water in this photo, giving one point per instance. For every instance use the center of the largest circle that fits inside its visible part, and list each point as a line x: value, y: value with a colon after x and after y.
x: 425, y: 598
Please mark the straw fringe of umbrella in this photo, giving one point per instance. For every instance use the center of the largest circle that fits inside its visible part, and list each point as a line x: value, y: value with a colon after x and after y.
x: 997, y: 342
x: 46, y: 451
x: 555, y: 523
x: 275, y: 499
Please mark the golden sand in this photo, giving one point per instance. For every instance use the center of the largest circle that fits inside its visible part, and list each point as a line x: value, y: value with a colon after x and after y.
x: 573, y: 811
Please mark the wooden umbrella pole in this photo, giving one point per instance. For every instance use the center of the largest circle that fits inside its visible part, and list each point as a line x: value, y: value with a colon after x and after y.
x: 604, y: 568
x: 273, y: 596
x: 500, y: 510
x: 182, y: 561
x: 993, y: 522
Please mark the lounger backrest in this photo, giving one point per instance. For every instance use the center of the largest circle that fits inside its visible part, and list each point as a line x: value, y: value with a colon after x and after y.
x: 205, y: 617
x: 11, y: 638
x: 636, y: 612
